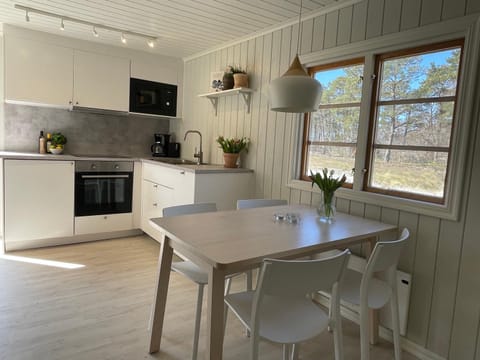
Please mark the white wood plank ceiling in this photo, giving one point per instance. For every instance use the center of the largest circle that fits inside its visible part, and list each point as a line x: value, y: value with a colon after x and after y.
x: 183, y: 27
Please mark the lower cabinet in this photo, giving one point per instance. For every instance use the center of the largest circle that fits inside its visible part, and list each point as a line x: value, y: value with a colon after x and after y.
x: 164, y: 186
x: 39, y: 201
x: 103, y: 223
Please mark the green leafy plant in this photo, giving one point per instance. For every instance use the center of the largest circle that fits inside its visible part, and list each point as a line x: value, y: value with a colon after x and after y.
x: 58, y: 139
x: 325, y: 180
x: 230, y: 70
x: 233, y: 145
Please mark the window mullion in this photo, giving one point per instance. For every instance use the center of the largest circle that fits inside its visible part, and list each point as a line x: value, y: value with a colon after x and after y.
x: 363, y: 124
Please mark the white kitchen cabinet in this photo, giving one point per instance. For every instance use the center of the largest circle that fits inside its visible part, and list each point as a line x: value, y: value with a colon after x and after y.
x: 165, y: 186
x: 38, y: 73
x: 39, y: 200
x: 101, y: 81
x: 103, y: 223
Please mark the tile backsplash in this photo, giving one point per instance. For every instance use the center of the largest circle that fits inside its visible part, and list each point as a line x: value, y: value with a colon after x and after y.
x: 87, y: 133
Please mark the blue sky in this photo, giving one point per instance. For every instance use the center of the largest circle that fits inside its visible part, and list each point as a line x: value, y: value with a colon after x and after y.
x: 439, y: 58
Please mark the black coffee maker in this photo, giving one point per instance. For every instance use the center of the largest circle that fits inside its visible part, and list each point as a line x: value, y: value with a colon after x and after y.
x: 160, y: 147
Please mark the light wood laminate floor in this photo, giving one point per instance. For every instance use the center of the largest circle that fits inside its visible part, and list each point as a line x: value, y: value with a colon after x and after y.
x: 101, y: 309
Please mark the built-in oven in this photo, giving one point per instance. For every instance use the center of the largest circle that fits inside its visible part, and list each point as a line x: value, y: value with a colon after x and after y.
x: 103, y: 187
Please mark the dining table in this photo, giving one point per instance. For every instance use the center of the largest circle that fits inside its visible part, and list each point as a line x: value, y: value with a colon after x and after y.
x: 228, y: 242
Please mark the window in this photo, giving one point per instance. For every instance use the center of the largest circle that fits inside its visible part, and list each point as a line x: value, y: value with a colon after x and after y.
x: 412, y: 120
x: 331, y: 132
x: 409, y: 121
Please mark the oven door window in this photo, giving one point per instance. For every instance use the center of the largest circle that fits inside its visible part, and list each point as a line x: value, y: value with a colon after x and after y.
x: 97, y: 194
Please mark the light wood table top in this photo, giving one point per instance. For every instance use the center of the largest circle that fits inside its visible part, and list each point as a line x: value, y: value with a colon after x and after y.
x: 230, y: 241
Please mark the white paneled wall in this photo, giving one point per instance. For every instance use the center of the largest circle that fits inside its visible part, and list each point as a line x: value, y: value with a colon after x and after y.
x: 442, y: 255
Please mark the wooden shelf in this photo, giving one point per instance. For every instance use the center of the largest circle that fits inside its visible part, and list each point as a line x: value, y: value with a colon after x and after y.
x: 214, y: 96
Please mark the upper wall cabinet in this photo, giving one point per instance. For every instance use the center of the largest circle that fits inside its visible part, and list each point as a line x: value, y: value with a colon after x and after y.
x: 101, y: 81
x: 38, y: 72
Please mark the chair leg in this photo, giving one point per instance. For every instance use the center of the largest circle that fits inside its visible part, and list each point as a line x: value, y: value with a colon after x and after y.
x: 287, y: 351
x: 295, y: 351
x: 336, y: 320
x: 395, y: 318
x: 228, y: 283
x: 198, y: 316
x: 249, y: 287
x: 364, y: 332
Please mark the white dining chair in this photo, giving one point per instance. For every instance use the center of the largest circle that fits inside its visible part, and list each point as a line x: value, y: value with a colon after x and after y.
x: 255, y: 203
x: 370, y: 292
x: 191, y: 270
x: 250, y: 204
x: 280, y: 310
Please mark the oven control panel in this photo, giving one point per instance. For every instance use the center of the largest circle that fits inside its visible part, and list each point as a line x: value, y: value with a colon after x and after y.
x: 103, y: 166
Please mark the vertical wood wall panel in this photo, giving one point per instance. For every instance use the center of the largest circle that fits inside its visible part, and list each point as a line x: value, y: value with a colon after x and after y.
x: 410, y: 14
x: 473, y: 6
x: 441, y: 255
x: 409, y: 221
x: 444, y: 286
x: 453, y: 8
x: 272, y: 118
x: 359, y: 21
x: 318, y: 33
x: 391, y: 16
x: 331, y: 30
x: 375, y: 18
x: 307, y: 32
x: 467, y: 306
x: 431, y: 12
x: 263, y: 116
x: 422, y: 280
x: 344, y: 25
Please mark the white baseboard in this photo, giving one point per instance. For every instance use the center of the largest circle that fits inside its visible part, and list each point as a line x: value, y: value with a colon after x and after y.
x: 386, y: 334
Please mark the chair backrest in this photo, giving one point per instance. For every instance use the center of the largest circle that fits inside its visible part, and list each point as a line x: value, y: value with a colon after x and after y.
x: 189, y: 209
x: 254, y: 203
x: 300, y: 277
x: 386, y: 254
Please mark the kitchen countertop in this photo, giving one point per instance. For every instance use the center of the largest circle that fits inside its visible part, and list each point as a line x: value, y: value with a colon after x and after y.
x: 198, y: 169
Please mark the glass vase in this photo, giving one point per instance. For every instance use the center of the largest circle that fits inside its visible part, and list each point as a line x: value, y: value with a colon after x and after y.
x: 326, y: 210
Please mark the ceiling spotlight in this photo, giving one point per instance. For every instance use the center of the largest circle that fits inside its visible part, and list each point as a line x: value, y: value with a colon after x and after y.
x: 151, y: 43
x: 94, y: 31
x: 124, y: 40
x: 27, y: 18
x: 62, y: 25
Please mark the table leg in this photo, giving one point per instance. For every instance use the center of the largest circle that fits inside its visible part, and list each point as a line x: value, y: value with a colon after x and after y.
x: 373, y: 323
x: 216, y: 288
x: 160, y: 298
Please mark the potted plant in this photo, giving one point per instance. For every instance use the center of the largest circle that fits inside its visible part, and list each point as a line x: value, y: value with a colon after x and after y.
x: 240, y: 77
x: 328, y: 184
x: 58, y: 142
x: 227, y: 79
x: 232, y: 149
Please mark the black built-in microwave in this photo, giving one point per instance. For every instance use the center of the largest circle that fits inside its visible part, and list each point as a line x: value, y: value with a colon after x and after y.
x: 149, y: 97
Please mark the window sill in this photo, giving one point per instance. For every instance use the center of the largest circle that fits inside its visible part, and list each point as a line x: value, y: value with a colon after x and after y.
x: 413, y: 206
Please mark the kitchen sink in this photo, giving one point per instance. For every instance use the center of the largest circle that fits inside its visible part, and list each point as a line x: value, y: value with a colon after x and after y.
x: 175, y: 161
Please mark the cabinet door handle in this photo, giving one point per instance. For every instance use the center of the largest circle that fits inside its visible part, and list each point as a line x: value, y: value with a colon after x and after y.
x: 76, y: 103
x: 182, y: 172
x: 155, y: 186
x: 105, y: 217
x: 155, y: 204
x: 70, y: 102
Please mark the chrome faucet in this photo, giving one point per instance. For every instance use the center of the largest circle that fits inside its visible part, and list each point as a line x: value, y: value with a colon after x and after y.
x: 197, y: 154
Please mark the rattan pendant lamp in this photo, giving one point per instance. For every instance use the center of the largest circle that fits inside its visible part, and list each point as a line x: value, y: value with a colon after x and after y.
x: 295, y: 91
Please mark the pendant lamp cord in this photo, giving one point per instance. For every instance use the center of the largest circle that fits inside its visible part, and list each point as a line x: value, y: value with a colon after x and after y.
x: 299, y: 27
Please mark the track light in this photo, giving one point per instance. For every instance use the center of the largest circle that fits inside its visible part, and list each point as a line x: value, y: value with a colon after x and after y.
x: 131, y: 34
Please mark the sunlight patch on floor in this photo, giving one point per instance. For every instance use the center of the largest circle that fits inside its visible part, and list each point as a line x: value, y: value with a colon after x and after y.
x: 59, y: 264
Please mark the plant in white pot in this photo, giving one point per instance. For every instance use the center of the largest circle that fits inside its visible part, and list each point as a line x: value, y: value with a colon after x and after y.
x: 232, y: 149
